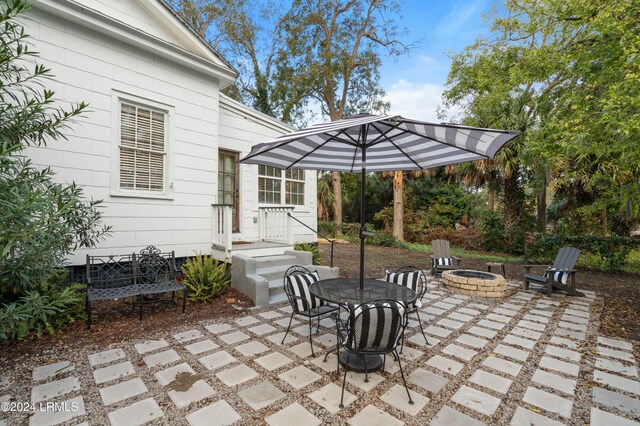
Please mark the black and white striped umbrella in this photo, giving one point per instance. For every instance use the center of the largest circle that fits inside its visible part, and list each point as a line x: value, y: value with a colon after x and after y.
x: 376, y: 143
x: 387, y: 143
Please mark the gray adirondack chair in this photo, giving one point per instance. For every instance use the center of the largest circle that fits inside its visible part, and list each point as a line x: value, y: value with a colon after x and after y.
x: 442, y: 250
x: 561, y: 275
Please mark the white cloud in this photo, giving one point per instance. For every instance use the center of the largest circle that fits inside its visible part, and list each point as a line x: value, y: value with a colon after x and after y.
x: 415, y: 100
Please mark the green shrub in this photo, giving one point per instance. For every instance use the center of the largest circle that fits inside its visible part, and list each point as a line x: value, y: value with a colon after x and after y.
x: 492, y: 229
x: 205, y: 277
x: 313, y: 249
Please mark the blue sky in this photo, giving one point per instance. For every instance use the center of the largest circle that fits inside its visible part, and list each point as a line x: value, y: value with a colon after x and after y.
x: 414, y: 82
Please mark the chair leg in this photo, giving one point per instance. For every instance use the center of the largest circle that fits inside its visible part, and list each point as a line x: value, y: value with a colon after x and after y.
x: 405, y: 382
x: 366, y: 372
x: 311, y: 337
x: 141, y: 300
x: 184, y: 300
x: 88, y: 308
x: 344, y: 382
x: 421, y: 330
x: 288, y: 327
x: 549, y: 287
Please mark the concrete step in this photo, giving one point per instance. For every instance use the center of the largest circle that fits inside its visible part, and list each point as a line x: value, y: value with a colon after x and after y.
x: 278, y: 299
x: 275, y: 287
x: 273, y: 261
x: 273, y: 273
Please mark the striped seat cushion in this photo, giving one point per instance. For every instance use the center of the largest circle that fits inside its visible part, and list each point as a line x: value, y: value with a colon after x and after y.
x: 407, y: 279
x: 300, y: 286
x: 376, y: 325
x: 442, y: 261
x: 559, y: 276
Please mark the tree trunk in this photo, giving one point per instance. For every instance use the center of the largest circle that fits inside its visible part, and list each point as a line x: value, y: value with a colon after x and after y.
x: 398, y: 205
x: 337, y: 201
x: 492, y: 200
x: 542, y: 207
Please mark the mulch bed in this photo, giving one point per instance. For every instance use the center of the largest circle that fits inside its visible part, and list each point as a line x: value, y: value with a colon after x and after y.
x: 620, y: 291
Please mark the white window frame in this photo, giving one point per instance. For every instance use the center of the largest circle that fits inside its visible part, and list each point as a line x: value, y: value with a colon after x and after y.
x: 118, y: 98
x: 283, y: 189
x: 302, y: 181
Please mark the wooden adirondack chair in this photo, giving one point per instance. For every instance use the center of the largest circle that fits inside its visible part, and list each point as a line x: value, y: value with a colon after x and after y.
x: 441, y: 259
x: 558, y: 275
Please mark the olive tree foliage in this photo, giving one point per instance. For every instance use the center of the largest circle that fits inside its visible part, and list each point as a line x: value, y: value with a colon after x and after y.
x: 42, y: 221
x: 575, y: 65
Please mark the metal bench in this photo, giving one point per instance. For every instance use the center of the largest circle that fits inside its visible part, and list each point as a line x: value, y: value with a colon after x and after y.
x: 138, y: 276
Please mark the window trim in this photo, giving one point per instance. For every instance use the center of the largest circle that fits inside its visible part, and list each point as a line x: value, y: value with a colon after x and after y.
x: 117, y: 99
x: 283, y: 189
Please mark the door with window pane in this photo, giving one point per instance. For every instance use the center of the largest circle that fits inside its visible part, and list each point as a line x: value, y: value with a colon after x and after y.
x: 228, y: 191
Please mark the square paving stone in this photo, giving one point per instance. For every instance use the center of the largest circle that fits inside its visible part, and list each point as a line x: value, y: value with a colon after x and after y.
x: 51, y: 370
x: 571, y: 326
x: 248, y: 320
x: 445, y: 364
x: 447, y: 416
x: 491, y: 381
x: 467, y: 311
x: 261, y: 395
x: 617, y: 400
x: 217, y: 414
x: 476, y: 400
x: 619, y: 344
x: 218, y: 328
x: 217, y: 360
x: 561, y: 366
x: 328, y: 397
x: 329, y: 366
x: 357, y: 380
x: 502, y: 365
x: 484, y: 332
x: 434, y: 311
x: 563, y: 353
x: 614, y: 353
x: 286, y: 309
x: 294, y: 414
x: 187, y: 336
x: 536, y: 318
x: 327, y: 340
x: 498, y: 318
x: 561, y: 341
x: 616, y: 367
x: 73, y: 407
x: 54, y: 389
x: 602, y: 418
x: 474, y: 342
x: 548, y: 401
x: 524, y: 417
x: 505, y: 312
x: 169, y: 375
x: 419, y: 340
x: 574, y: 319
x: 617, y: 382
x: 427, y: 380
x: 554, y: 381
x: 372, y: 415
x: 270, y: 315
x: 151, y: 345
x: 251, y: 348
x: 235, y: 337
x: 526, y: 332
x: 201, y: 347
x: 453, y: 300
x: 450, y: 323
x: 273, y: 361
x: 577, y: 313
x: 303, y: 330
x: 106, y: 357
x: 197, y: 391
x: 438, y: 331
x: 397, y: 397
x: 411, y: 354
x: 113, y: 372
x: 460, y: 352
x: 162, y: 358
x: 480, y: 306
x: 544, y: 313
x: 121, y: 391
x: 444, y: 305
x: 236, y: 375
x: 277, y: 338
x: 532, y: 325
x: 519, y: 341
x: 262, y: 329
x: 562, y: 332
x: 303, y: 349
x: 284, y: 322
x: 511, y: 352
x: 136, y: 414
x: 299, y: 377
x: 491, y: 324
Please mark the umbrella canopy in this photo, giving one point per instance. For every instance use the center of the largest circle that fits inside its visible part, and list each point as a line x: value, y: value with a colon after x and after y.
x: 375, y: 143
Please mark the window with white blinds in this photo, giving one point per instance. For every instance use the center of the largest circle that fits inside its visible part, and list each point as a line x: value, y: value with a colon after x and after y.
x: 142, y: 149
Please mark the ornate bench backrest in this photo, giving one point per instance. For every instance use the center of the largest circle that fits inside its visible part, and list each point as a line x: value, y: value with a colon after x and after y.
x: 153, y: 266
x: 110, y: 271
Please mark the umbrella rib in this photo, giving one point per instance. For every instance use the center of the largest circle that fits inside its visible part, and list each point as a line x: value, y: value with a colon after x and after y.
x: 382, y: 135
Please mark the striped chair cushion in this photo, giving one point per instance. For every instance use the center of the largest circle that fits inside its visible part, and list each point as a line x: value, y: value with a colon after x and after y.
x: 376, y: 325
x: 560, y: 277
x: 407, y: 279
x: 442, y: 261
x: 300, y: 286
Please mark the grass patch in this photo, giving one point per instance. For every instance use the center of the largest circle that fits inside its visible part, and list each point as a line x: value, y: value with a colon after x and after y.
x: 426, y: 248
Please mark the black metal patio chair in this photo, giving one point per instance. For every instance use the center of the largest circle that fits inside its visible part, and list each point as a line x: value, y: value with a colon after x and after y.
x: 297, y: 280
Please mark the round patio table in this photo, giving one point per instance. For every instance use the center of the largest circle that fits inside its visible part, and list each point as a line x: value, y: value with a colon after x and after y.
x: 346, y: 291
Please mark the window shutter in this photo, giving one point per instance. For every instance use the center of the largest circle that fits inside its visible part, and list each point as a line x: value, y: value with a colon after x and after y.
x: 142, y: 149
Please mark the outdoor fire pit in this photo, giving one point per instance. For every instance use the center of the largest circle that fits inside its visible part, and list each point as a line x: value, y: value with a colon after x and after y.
x: 475, y: 283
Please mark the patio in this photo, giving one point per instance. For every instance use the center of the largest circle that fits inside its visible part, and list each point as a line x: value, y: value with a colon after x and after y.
x: 526, y: 359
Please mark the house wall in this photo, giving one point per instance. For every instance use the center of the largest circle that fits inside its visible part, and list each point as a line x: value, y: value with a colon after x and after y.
x: 89, y: 67
x: 239, y: 130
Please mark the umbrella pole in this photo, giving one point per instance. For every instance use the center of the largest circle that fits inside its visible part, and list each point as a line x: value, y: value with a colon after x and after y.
x: 362, y: 209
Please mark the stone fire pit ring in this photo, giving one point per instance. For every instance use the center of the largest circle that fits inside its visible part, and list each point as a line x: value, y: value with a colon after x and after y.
x: 475, y: 283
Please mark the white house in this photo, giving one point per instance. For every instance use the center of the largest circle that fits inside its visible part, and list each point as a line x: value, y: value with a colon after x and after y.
x: 160, y: 144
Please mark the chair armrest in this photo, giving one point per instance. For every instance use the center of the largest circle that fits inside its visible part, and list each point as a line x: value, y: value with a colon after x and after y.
x: 456, y: 258
x: 433, y: 257
x: 528, y: 267
x: 550, y: 269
